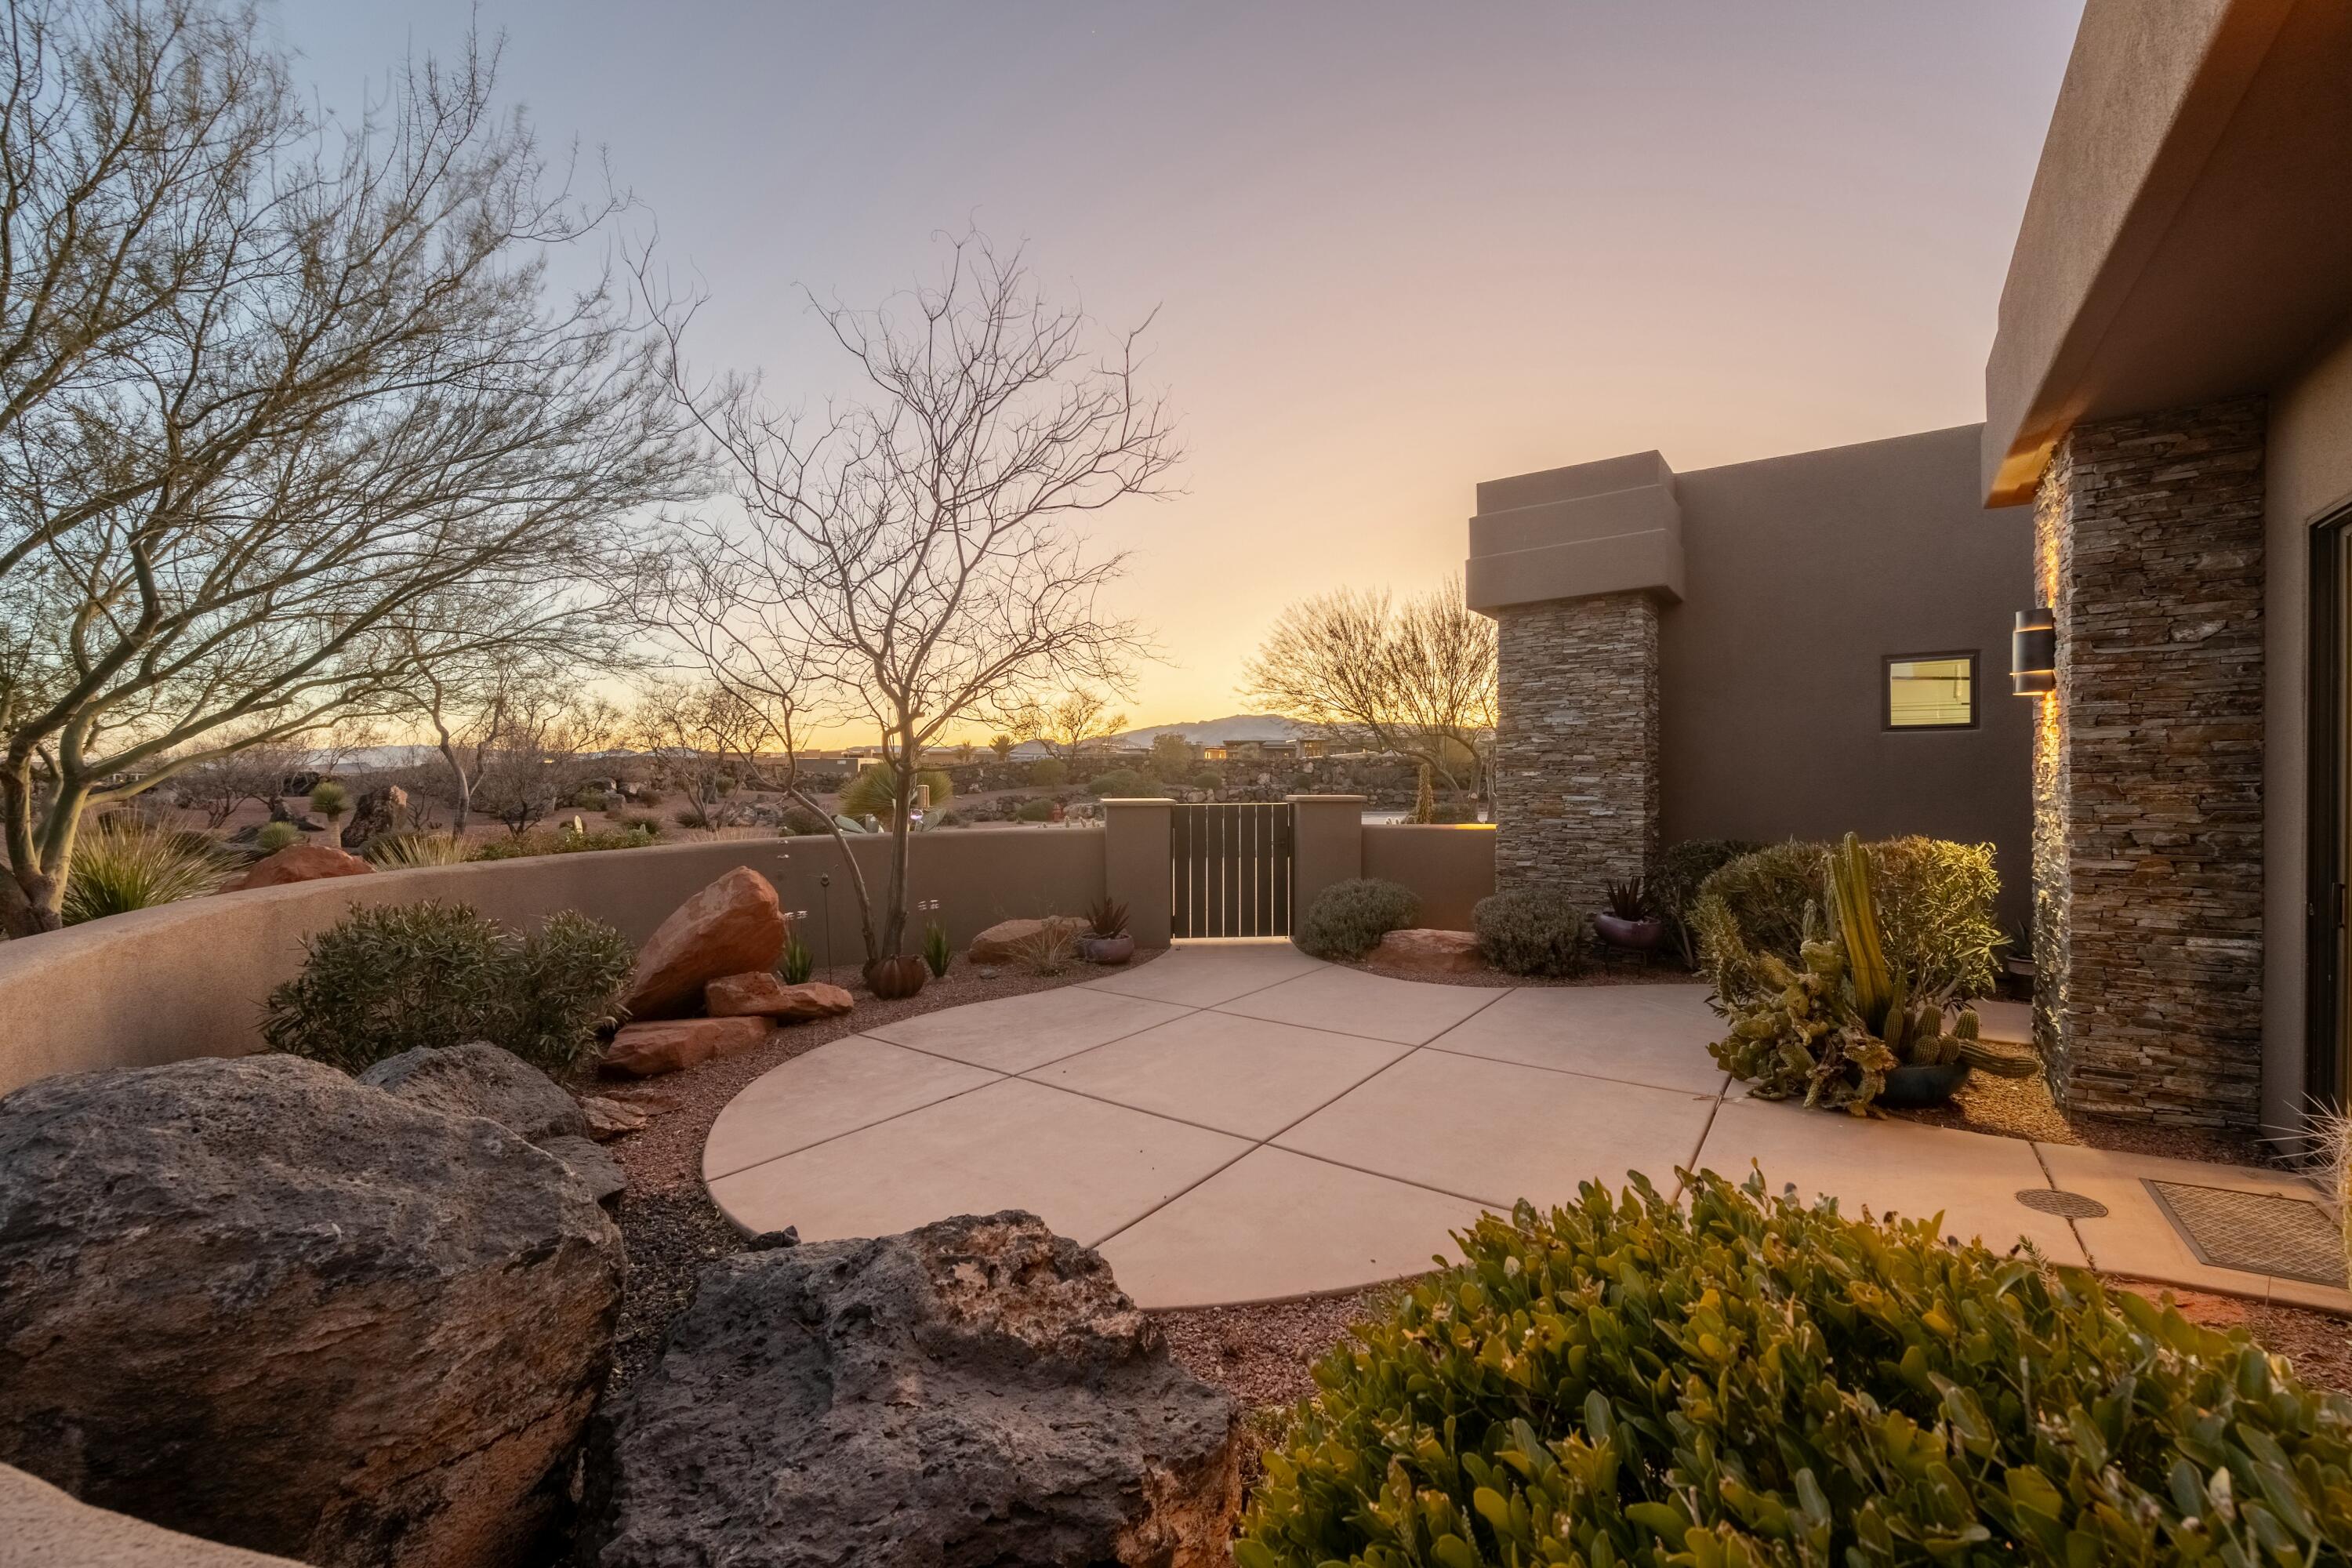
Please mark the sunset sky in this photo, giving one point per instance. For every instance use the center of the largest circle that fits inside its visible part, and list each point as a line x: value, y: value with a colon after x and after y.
x: 1396, y: 248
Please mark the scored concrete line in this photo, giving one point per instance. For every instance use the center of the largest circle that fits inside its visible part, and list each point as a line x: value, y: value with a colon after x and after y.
x: 1410, y: 1045
x: 878, y: 1121
x: 1270, y: 1136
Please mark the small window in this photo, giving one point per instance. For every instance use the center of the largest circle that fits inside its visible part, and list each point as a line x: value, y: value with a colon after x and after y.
x: 1931, y: 692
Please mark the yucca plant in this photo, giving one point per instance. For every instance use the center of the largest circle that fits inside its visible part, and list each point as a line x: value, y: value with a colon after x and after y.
x: 276, y: 835
x: 405, y: 851
x: 935, y: 951
x: 124, y: 864
x: 1107, y: 918
x: 1629, y: 900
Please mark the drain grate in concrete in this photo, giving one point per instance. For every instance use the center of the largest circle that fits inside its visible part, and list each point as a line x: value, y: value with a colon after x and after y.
x: 2070, y: 1206
x: 2290, y: 1238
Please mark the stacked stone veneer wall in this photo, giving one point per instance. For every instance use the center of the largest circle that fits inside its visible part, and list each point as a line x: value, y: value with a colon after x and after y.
x: 1576, y: 744
x: 2148, y: 765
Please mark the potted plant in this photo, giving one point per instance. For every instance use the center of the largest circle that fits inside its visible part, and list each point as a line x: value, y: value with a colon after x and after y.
x: 900, y: 975
x: 1106, y: 941
x: 1628, y: 922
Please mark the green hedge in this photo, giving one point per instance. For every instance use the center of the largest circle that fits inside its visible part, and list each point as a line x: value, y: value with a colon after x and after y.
x: 1531, y: 930
x: 1347, y: 919
x: 1751, y: 1381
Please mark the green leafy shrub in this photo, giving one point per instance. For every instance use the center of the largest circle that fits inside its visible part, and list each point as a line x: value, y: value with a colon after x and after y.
x: 1209, y: 779
x: 276, y: 835
x: 396, y: 976
x: 1035, y: 811
x: 1125, y: 783
x: 1347, y: 919
x: 1675, y: 885
x: 1531, y: 930
x: 121, y: 864
x: 1047, y: 773
x: 1935, y: 899
x: 1752, y: 1381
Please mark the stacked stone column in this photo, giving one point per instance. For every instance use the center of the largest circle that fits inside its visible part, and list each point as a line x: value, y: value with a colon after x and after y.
x: 2148, y: 767
x: 1576, y: 747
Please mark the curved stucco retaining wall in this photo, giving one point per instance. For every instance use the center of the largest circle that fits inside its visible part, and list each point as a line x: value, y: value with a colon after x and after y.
x: 1450, y: 868
x: 189, y: 979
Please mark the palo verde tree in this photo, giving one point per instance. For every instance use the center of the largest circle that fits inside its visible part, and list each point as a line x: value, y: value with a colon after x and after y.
x: 279, y: 398
x: 913, y: 558
x: 1415, y: 679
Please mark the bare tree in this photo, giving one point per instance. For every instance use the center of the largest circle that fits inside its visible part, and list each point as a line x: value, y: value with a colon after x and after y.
x: 545, y: 747
x: 1415, y: 679
x: 702, y: 740
x: 914, y: 556
x: 271, y: 395
x: 1064, y: 725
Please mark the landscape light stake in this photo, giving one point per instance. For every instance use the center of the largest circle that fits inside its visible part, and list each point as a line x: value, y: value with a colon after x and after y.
x: 825, y: 896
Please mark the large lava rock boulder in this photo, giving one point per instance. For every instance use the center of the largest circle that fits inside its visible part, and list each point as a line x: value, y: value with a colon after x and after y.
x: 979, y: 1391
x: 733, y: 925
x: 479, y: 1078
x: 264, y: 1304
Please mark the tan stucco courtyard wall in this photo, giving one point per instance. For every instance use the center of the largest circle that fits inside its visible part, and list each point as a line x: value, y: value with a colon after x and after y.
x: 189, y: 979
x: 1450, y: 868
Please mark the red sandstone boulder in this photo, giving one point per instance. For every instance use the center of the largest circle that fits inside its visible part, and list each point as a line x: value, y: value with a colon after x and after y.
x: 999, y: 942
x: 668, y: 1044
x: 731, y: 927
x: 760, y: 995
x: 299, y: 863
x: 1422, y: 949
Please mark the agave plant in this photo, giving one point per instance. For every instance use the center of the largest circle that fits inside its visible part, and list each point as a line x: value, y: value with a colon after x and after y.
x: 797, y: 962
x: 124, y: 864
x: 1833, y: 1026
x: 1107, y: 918
x: 1629, y: 900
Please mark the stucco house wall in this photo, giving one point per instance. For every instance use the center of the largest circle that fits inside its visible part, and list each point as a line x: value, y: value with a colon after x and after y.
x: 1803, y: 574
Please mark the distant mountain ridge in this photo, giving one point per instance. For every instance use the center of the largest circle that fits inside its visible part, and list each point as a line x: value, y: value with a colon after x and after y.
x: 1209, y: 732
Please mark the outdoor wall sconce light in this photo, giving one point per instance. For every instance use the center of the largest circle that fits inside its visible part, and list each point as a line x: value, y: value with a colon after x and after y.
x: 2033, y: 653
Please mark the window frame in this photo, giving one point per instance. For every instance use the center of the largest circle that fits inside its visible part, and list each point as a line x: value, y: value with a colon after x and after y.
x: 1886, y: 663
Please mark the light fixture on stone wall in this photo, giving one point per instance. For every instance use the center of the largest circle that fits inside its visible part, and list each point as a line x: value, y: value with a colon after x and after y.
x: 2033, y: 653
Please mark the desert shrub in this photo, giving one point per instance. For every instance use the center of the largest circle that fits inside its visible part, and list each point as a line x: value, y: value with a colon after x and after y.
x: 1050, y: 949
x: 641, y: 823
x: 276, y: 835
x: 390, y: 978
x: 1934, y: 901
x: 399, y: 851
x: 1531, y: 930
x: 1124, y: 784
x: 942, y: 783
x: 800, y: 822
x: 1048, y: 772
x: 1208, y: 778
x: 532, y: 844
x: 693, y: 819
x: 1752, y: 1381
x: 1347, y: 919
x: 1675, y: 885
x: 1035, y: 811
x: 122, y: 863
x: 1451, y: 812
x: 948, y: 819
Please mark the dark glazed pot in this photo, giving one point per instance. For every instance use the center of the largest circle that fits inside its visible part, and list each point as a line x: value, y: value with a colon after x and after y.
x: 890, y: 979
x: 1913, y: 1087
x: 1109, y: 949
x: 1640, y: 936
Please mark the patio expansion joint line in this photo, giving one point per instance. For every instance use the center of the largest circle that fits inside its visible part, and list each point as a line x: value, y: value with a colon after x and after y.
x: 1268, y: 1141
x: 2073, y: 1226
x: 1410, y: 1046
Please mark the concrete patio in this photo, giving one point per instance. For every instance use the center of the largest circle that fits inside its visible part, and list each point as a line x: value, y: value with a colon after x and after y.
x: 1236, y: 1121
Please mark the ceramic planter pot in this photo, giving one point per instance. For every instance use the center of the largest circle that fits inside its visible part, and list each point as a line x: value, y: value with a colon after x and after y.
x: 1911, y: 1087
x: 1108, y: 949
x: 1639, y: 935
x: 891, y: 979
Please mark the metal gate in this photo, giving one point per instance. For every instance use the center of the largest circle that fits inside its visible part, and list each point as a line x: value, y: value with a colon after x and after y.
x: 1229, y: 869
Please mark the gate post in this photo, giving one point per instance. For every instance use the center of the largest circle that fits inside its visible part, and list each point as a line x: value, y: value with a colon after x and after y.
x: 1327, y: 846
x: 1135, y: 865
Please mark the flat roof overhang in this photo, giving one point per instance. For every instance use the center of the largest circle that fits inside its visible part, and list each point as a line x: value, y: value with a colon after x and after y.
x: 2189, y: 235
